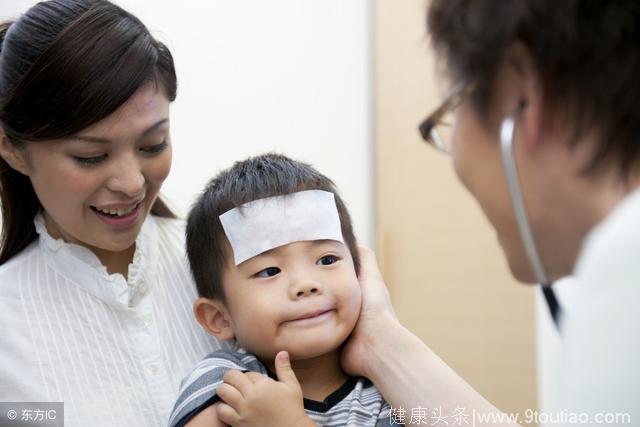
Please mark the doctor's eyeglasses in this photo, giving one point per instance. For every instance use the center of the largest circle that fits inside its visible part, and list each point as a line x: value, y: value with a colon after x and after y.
x: 437, y: 129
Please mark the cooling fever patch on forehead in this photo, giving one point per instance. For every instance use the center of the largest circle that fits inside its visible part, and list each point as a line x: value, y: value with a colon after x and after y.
x: 264, y: 224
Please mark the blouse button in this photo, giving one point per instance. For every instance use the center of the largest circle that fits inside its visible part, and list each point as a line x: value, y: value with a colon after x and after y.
x: 147, y: 320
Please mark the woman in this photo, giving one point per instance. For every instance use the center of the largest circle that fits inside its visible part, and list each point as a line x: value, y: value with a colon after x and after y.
x: 546, y: 139
x: 95, y: 294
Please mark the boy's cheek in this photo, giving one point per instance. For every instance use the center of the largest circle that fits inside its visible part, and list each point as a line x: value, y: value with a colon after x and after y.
x: 253, y: 334
x: 355, y: 299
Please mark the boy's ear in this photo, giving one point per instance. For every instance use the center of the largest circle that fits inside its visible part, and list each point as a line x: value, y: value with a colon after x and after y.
x: 214, y: 318
x: 12, y: 154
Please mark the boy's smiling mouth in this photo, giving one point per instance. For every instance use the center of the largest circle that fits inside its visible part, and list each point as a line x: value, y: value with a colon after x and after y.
x: 309, y: 317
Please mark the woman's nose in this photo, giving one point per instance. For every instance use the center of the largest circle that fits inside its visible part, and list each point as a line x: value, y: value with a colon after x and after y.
x: 127, y: 178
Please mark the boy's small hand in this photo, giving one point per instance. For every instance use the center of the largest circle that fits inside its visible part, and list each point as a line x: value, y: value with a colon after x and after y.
x: 252, y: 399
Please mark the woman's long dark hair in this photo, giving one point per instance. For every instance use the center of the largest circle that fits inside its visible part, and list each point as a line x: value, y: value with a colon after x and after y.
x: 64, y: 65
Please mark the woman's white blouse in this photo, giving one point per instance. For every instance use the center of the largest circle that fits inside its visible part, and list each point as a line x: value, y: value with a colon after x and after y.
x: 113, y: 350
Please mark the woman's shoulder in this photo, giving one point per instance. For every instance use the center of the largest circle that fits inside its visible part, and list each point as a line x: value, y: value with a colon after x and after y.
x: 18, y: 261
x: 15, y: 269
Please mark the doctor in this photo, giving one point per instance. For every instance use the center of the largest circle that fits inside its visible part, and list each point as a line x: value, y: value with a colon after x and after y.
x: 546, y: 97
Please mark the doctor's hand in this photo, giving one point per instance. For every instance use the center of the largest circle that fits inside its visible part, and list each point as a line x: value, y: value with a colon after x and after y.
x: 376, y: 317
x: 251, y: 399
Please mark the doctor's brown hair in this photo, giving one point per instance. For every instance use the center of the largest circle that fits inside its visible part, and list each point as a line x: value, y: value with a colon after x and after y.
x: 586, y: 52
x: 64, y: 65
x: 252, y: 179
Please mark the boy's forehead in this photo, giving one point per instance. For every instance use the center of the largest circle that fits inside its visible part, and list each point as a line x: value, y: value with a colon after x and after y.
x: 265, y: 224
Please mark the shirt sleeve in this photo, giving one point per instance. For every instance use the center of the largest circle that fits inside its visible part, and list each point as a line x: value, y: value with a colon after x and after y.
x: 198, y: 389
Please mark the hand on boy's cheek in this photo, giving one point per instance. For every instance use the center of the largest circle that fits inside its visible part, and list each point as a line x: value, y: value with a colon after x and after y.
x: 252, y: 399
x: 376, y: 313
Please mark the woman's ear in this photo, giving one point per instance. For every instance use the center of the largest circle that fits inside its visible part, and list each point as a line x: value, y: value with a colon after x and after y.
x: 214, y: 317
x: 12, y: 154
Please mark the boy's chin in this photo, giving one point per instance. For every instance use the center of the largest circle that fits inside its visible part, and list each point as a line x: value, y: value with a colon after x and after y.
x: 309, y: 353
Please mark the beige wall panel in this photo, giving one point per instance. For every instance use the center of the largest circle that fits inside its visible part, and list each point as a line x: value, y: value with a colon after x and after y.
x: 448, y: 278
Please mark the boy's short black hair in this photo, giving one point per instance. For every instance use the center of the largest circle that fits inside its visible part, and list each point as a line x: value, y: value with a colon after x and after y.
x: 252, y: 179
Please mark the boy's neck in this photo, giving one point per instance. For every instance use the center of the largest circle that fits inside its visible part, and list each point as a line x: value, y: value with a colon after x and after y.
x: 320, y: 376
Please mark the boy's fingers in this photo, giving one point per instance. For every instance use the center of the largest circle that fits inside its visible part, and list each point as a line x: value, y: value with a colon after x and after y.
x: 238, y: 380
x: 227, y: 414
x: 255, y: 377
x: 229, y: 394
x: 284, y: 371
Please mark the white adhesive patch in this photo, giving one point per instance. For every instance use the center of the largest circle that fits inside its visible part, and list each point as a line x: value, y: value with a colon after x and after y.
x: 265, y: 224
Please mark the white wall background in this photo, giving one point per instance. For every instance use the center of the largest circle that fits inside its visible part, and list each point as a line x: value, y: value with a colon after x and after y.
x: 292, y: 76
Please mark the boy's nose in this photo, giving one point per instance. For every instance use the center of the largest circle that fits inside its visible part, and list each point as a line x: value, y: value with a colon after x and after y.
x: 306, y: 289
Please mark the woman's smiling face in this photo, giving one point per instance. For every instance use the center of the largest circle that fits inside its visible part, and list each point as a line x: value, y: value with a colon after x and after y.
x: 97, y: 187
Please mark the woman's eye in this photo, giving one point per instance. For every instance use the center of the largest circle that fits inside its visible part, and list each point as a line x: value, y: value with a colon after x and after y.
x: 156, y: 148
x: 90, y: 161
x: 328, y: 260
x: 268, y: 272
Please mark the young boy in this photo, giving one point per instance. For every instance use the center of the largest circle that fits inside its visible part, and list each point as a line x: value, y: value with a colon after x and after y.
x: 275, y: 261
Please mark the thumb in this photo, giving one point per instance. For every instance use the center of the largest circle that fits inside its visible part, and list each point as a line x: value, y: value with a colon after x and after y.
x: 284, y: 371
x: 369, y: 269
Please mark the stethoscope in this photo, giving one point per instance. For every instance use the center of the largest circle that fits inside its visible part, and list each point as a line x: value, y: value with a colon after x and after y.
x: 508, y: 161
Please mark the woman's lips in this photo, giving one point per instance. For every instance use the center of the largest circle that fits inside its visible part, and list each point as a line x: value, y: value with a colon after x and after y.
x: 124, y: 221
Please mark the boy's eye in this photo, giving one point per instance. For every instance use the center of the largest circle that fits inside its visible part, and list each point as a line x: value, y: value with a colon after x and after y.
x: 327, y: 260
x: 89, y: 161
x: 268, y: 272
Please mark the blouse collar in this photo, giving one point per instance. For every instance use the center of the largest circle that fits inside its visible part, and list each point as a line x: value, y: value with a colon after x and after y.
x: 82, y: 266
